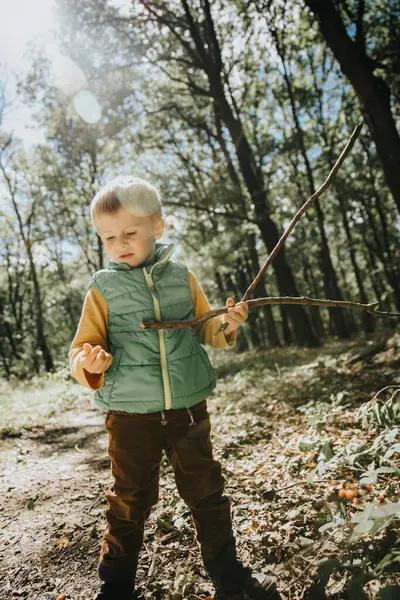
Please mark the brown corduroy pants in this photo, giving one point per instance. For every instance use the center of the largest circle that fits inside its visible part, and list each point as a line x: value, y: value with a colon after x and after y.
x: 136, y: 443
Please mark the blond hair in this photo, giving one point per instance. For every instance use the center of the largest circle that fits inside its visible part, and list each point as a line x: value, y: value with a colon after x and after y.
x: 137, y: 196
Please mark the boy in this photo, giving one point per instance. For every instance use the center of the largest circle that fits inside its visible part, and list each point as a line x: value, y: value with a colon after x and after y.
x: 153, y: 385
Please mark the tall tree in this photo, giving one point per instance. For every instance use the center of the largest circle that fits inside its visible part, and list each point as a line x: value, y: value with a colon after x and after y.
x: 372, y: 90
x: 331, y: 284
x: 13, y: 186
x: 199, y: 42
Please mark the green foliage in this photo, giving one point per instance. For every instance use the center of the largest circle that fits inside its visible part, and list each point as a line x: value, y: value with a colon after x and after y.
x: 380, y: 412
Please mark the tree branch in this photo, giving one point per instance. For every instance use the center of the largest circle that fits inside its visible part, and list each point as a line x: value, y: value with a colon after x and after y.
x: 212, y: 211
x: 303, y: 209
x: 198, y: 321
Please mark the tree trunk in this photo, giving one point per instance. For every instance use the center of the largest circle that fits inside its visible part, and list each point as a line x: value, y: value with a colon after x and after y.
x: 256, y: 334
x: 367, y: 318
x: 376, y: 281
x: 287, y: 334
x: 391, y: 263
x: 251, y: 254
x: 313, y: 291
x: 41, y: 338
x: 259, y: 321
x: 272, y: 332
x: 344, y: 273
x: 331, y: 285
x: 391, y: 278
x: 372, y: 91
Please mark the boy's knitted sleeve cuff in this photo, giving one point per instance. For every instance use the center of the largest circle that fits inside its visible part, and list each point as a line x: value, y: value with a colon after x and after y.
x: 92, y: 329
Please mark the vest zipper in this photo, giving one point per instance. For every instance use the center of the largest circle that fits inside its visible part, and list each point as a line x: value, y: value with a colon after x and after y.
x: 163, y: 353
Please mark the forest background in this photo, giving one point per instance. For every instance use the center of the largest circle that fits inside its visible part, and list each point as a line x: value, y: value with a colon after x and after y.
x: 237, y: 111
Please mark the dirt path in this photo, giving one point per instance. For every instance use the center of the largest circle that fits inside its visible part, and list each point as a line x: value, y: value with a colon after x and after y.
x: 53, y: 480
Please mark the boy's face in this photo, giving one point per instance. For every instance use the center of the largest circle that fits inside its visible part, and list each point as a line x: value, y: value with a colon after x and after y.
x: 127, y: 238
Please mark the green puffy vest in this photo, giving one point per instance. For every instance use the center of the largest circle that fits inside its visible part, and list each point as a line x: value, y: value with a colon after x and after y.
x: 152, y: 370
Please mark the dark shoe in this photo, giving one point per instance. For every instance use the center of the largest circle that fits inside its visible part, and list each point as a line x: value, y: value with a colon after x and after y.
x: 257, y: 586
x: 226, y: 570
x: 260, y: 587
x: 233, y: 581
x: 117, y: 590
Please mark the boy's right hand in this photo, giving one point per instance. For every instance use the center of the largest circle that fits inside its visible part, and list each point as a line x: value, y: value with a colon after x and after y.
x: 95, y: 359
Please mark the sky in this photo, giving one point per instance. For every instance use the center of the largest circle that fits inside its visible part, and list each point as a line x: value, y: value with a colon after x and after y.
x: 21, y: 22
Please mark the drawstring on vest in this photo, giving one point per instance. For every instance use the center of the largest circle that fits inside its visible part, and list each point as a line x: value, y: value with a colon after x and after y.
x: 164, y: 421
x: 193, y: 422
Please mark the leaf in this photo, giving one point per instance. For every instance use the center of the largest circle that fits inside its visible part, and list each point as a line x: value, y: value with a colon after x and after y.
x: 179, y: 522
x: 311, y: 475
x: 354, y: 587
x: 327, y: 450
x: 364, y: 526
x: 335, y: 523
x: 379, y: 525
x: 368, y: 479
x: 306, y: 444
x: 392, y: 450
x: 388, y: 560
x: 386, y: 510
x: 326, y: 567
x: 385, y: 470
x: 62, y: 542
x: 378, y: 414
x: 365, y: 514
x: 326, y: 526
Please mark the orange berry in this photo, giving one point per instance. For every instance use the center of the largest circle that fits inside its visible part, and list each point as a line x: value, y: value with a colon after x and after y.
x: 381, y: 498
x: 368, y: 487
x: 356, y: 500
x: 350, y: 494
x: 342, y: 493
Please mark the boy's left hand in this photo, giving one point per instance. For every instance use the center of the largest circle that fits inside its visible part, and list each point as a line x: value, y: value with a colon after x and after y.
x: 236, y: 315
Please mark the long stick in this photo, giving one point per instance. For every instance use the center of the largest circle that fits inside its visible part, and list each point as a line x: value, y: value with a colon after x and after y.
x: 299, y: 213
x: 303, y: 209
x: 197, y: 322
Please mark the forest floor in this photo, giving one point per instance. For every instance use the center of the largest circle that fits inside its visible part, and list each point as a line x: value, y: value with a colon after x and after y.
x: 274, y: 415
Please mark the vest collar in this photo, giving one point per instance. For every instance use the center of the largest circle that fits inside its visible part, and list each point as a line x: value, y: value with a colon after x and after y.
x: 162, y: 254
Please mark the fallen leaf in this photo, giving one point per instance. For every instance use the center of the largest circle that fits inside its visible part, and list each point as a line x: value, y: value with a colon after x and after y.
x: 62, y: 542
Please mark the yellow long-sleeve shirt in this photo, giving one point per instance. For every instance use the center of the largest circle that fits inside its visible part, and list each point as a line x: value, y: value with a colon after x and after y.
x: 93, y: 323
